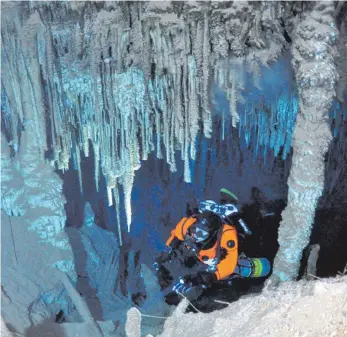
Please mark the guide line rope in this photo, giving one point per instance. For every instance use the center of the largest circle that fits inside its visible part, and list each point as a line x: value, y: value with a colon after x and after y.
x: 153, y: 316
x: 161, y: 317
x: 189, y: 302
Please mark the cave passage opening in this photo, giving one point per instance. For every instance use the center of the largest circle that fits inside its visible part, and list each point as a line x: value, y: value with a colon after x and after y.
x: 254, y: 168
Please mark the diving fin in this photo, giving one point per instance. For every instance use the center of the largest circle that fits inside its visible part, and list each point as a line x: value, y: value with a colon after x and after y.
x: 227, y: 196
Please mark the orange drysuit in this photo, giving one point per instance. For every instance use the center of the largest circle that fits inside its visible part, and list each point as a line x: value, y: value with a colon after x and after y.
x: 228, y: 242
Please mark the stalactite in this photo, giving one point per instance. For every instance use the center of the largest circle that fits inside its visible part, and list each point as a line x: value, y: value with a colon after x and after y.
x: 187, y: 176
x: 165, y: 107
x: 109, y: 195
x: 233, y: 103
x: 172, y: 141
x: 85, y: 144
x: 79, y: 170
x: 143, y: 138
x: 247, y: 101
x: 178, y: 104
x: 253, y: 67
x: 96, y: 150
x: 193, y: 105
x: 127, y: 182
x: 117, y: 208
x: 156, y: 93
x: 107, y: 81
x: 207, y: 120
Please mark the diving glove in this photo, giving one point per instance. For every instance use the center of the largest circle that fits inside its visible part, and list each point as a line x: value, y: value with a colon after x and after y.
x: 183, y: 286
x: 164, y: 257
x: 204, y: 278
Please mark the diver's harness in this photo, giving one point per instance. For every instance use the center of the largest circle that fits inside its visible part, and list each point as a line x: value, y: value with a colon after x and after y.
x: 225, y: 211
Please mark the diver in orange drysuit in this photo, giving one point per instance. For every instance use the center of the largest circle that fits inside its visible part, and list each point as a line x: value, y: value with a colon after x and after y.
x: 211, y: 239
x: 213, y: 242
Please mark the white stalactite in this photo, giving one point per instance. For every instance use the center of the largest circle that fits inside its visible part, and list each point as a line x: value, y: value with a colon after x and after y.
x: 117, y: 208
x: 207, y: 119
x: 233, y: 103
x: 99, y: 84
x: 193, y: 106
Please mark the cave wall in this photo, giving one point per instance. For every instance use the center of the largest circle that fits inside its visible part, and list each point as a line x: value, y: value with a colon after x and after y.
x: 33, y: 242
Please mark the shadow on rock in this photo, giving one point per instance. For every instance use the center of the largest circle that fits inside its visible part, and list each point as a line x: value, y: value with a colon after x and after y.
x: 47, y: 328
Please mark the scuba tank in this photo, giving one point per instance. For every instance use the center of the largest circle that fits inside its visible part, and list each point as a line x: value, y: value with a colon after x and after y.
x: 250, y: 267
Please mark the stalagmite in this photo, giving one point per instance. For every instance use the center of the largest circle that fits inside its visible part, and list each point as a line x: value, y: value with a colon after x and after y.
x: 81, y: 307
x: 314, y: 55
x: 311, y: 268
x: 133, y: 323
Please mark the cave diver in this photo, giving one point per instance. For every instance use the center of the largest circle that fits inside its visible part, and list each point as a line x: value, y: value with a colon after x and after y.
x: 211, y: 237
